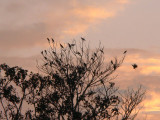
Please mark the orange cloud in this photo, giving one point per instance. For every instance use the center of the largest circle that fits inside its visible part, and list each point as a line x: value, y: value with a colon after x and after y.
x: 92, y: 13
x: 78, y: 19
x: 153, y: 103
x: 85, y: 17
x: 146, y: 65
x: 33, y: 23
x: 75, y: 29
x: 151, y: 70
x: 147, y: 74
x: 123, y: 1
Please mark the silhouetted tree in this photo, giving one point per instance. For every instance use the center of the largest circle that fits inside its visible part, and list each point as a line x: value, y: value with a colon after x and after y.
x: 81, y: 84
x: 16, y: 89
x: 76, y: 85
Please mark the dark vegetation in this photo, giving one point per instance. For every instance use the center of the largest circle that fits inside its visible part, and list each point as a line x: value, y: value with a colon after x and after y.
x: 76, y: 85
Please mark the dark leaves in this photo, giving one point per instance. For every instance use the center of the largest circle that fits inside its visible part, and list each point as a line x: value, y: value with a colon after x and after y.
x: 75, y: 85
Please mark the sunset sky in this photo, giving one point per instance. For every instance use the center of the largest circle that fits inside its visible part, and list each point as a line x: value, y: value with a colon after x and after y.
x: 132, y: 25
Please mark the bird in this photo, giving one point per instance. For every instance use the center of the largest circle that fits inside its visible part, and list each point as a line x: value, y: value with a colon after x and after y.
x: 72, y: 44
x: 111, y: 84
x: 85, y: 64
x: 115, y: 66
x: 125, y: 52
x: 111, y: 62
x: 61, y: 46
x: 69, y: 45
x: 48, y: 39
x: 101, y: 50
x: 52, y: 40
x: 134, y: 66
x: 83, y: 38
x: 78, y: 53
x: 45, y: 51
x: 92, y: 58
x: 95, y: 54
x: 45, y: 64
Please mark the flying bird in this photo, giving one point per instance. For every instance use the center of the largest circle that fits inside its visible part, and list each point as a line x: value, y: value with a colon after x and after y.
x: 134, y: 66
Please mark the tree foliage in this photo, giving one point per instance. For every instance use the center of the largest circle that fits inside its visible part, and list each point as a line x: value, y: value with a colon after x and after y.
x: 76, y: 84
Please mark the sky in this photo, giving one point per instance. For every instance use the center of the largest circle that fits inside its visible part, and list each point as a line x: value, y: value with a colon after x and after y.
x: 132, y: 25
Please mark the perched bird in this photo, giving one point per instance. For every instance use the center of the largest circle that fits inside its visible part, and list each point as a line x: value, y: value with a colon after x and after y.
x: 72, y: 44
x: 45, y: 51
x: 111, y: 84
x: 95, y: 54
x: 61, y: 46
x: 78, y: 53
x: 101, y: 50
x: 125, y: 52
x: 69, y: 45
x: 45, y: 58
x: 48, y: 40
x: 115, y: 66
x: 134, y: 66
x: 92, y: 58
x: 54, y: 52
x: 45, y: 64
x: 111, y: 62
x: 83, y: 38
x: 52, y: 40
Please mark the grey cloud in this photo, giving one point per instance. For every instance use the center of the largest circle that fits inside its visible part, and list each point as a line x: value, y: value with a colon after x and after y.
x: 28, y: 63
x: 22, y: 37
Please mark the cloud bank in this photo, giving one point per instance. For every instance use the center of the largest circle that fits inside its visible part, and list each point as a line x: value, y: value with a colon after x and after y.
x: 26, y: 24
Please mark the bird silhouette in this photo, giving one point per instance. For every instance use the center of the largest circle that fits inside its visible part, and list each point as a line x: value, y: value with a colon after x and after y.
x: 115, y: 66
x: 69, y: 45
x: 52, y: 40
x: 111, y: 84
x: 95, y: 54
x: 134, y: 66
x: 61, y: 46
x: 72, y: 44
x: 125, y: 52
x: 83, y: 38
x: 78, y: 53
x: 48, y: 40
x: 101, y: 50
x: 45, y: 51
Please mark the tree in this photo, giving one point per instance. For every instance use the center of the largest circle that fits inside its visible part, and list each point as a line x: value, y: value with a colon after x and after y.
x: 76, y: 85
